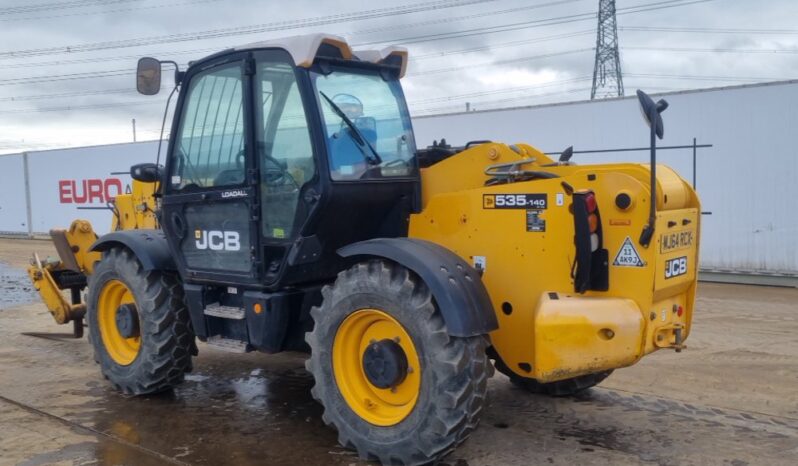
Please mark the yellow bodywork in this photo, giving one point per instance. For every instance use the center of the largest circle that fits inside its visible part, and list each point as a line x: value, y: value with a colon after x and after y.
x: 133, y: 210
x: 546, y: 330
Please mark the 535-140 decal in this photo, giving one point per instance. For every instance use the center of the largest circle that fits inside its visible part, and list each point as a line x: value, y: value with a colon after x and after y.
x: 515, y: 201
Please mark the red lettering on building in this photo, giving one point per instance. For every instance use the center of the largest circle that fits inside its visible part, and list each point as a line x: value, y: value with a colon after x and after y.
x: 89, y: 191
x: 65, y: 191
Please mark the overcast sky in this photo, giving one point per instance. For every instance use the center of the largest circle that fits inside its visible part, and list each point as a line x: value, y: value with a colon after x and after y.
x: 491, y: 53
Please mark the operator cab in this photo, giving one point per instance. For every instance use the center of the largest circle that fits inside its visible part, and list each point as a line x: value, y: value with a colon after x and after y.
x: 281, y: 153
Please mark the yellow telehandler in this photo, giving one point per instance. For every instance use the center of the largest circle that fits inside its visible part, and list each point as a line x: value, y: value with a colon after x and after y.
x: 294, y: 212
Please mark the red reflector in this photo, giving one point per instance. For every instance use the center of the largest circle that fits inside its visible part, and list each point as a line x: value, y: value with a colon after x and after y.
x: 680, y: 311
x: 590, y: 202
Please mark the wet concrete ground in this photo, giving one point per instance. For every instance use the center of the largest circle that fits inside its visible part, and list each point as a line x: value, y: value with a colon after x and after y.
x: 15, y: 287
x: 731, y: 398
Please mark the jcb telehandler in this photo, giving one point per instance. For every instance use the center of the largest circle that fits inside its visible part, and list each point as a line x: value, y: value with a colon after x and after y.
x: 294, y: 212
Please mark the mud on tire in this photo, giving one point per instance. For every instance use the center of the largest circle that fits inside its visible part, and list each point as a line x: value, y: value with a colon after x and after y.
x: 167, y: 341
x: 454, y: 370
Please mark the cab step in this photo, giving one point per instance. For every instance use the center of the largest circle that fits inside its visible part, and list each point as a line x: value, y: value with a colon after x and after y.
x: 228, y: 344
x: 225, y: 312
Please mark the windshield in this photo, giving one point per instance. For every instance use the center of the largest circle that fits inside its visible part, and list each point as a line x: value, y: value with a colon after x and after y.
x: 366, y: 124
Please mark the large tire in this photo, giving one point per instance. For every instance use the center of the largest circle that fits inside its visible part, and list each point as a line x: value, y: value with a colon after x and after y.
x: 454, y: 370
x: 566, y: 387
x: 156, y: 359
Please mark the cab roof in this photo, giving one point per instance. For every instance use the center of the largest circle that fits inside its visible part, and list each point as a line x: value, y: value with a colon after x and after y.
x: 305, y: 48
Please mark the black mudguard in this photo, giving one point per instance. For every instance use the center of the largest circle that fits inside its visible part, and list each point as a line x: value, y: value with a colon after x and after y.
x: 149, y: 247
x: 456, y: 286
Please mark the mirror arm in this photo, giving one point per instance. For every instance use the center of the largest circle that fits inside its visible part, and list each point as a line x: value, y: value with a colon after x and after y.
x: 648, y: 231
x: 178, y: 74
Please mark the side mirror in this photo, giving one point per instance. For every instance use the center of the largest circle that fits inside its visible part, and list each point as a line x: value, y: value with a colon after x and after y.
x: 148, y: 76
x: 651, y: 112
x: 146, y: 172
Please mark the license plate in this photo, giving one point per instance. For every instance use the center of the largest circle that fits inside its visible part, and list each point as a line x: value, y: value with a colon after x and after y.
x: 674, y: 241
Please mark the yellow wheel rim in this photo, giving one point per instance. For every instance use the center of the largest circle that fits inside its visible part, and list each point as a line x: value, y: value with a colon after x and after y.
x: 122, y: 350
x: 378, y: 406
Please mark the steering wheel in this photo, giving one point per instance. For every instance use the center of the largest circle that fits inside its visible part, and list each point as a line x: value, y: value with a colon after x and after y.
x: 273, y: 173
x: 240, y: 156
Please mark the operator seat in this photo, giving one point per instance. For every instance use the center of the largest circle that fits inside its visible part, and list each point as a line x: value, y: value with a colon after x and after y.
x: 343, y: 148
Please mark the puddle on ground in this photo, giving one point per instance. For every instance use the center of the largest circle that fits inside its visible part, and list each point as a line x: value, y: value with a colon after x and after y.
x: 229, y: 411
x: 15, y: 287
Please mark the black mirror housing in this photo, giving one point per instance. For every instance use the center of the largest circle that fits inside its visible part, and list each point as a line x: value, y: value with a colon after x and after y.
x: 566, y: 155
x: 146, y: 172
x: 148, y: 76
x: 651, y: 112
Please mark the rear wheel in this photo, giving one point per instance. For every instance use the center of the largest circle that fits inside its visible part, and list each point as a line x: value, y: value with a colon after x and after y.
x: 393, y: 382
x: 138, y: 325
x: 566, y: 387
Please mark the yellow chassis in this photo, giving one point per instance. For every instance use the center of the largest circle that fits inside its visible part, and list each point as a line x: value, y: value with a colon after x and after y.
x: 546, y: 330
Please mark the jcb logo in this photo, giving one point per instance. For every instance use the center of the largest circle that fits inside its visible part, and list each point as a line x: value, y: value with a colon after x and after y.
x: 217, y: 240
x: 675, y: 267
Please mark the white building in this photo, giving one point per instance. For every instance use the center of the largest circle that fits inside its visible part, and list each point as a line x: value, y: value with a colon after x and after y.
x: 746, y: 179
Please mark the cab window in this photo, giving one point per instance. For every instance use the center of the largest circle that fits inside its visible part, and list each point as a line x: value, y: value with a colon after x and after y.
x: 367, y: 125
x: 284, y: 147
x: 209, y: 148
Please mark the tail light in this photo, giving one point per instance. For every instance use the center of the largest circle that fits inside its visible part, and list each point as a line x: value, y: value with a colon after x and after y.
x: 592, y: 221
x: 590, y: 270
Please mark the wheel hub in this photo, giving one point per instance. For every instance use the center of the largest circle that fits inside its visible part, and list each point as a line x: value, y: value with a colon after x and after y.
x: 385, y: 363
x: 376, y: 366
x: 127, y: 320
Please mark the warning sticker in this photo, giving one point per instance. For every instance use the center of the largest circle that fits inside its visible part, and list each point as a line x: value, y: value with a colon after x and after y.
x: 534, y: 222
x: 627, y: 256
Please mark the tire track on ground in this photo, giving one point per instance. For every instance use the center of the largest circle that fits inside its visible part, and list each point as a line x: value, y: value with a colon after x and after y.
x: 90, y: 431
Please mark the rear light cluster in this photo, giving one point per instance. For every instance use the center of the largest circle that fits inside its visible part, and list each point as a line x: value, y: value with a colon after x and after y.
x: 591, y: 268
x: 592, y: 220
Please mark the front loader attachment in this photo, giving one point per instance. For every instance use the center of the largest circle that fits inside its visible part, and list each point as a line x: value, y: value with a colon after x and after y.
x: 52, y: 277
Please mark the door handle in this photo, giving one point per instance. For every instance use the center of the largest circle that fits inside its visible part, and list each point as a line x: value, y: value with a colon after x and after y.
x: 311, y: 196
x: 178, y: 224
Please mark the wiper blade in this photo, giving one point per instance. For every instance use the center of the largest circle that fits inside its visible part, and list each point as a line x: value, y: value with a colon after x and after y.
x: 361, y: 140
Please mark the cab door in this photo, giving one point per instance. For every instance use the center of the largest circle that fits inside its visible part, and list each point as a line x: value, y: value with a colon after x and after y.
x: 210, y: 204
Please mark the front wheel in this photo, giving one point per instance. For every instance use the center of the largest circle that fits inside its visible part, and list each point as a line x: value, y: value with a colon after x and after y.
x: 393, y: 382
x: 138, y: 325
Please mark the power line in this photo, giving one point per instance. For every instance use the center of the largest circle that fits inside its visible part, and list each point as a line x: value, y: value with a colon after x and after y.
x: 24, y: 98
x: 502, y: 91
x: 572, y: 18
x: 437, y: 110
x: 714, y: 50
x: 497, y: 62
x: 703, y: 78
x: 243, y: 30
x: 105, y: 12
x: 707, y: 30
x: 324, y: 20
x: 454, y: 19
x: 64, y: 77
x: 14, y: 10
x: 68, y: 108
x: 355, y: 33
x: 110, y: 73
x: 486, y: 48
